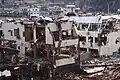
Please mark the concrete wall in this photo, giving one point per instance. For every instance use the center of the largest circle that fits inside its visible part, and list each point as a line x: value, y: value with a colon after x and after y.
x: 111, y: 45
x: 67, y: 42
x: 53, y: 27
x: 66, y: 61
x: 64, y: 25
x: 107, y: 49
x: 68, y: 26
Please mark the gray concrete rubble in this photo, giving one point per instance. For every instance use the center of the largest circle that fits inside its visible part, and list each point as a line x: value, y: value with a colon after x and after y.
x: 65, y: 48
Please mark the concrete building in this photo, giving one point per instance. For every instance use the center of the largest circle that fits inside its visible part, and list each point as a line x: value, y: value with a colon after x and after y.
x: 88, y: 31
x: 87, y: 28
x: 33, y: 12
x: 31, y: 1
x: 14, y: 31
x: 91, y: 35
x: 54, y: 32
x: 66, y: 28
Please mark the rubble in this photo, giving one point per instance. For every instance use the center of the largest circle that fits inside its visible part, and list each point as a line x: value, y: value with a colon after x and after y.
x: 73, y: 49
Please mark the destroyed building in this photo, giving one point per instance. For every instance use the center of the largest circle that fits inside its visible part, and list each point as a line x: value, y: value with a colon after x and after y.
x: 60, y: 44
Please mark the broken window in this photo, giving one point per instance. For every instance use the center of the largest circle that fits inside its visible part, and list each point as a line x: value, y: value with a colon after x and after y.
x: 19, y: 47
x: 79, y: 26
x: 56, y: 34
x: 84, y: 26
x: 117, y: 40
x: 82, y: 38
x: 96, y: 39
x: 0, y: 25
x: 93, y: 27
x: 67, y: 34
x: 94, y: 52
x: 104, y: 40
x: 16, y: 33
x: 36, y: 9
x: 24, y: 34
x: 83, y: 49
x: 28, y: 34
x: 64, y: 35
x: 90, y: 39
x: 1, y: 33
x: 11, y: 33
x: 40, y: 33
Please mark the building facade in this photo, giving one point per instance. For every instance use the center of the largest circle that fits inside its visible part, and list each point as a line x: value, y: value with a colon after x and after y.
x: 33, y: 12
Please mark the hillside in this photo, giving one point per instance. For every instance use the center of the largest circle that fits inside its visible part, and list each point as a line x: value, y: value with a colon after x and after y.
x: 101, y: 5
x: 95, y: 5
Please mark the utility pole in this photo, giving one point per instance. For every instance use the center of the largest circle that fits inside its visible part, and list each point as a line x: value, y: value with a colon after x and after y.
x: 34, y: 40
x: 54, y: 54
x: 34, y: 33
x: 108, y: 5
x: 60, y: 37
x: 78, y: 51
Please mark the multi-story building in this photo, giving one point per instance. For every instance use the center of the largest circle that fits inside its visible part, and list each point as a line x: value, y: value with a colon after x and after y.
x: 33, y: 12
x: 14, y: 32
x: 88, y: 29
x: 23, y: 33
x: 94, y: 36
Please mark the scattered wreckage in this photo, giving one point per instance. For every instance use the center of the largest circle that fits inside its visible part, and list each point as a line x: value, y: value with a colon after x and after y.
x: 56, y: 54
